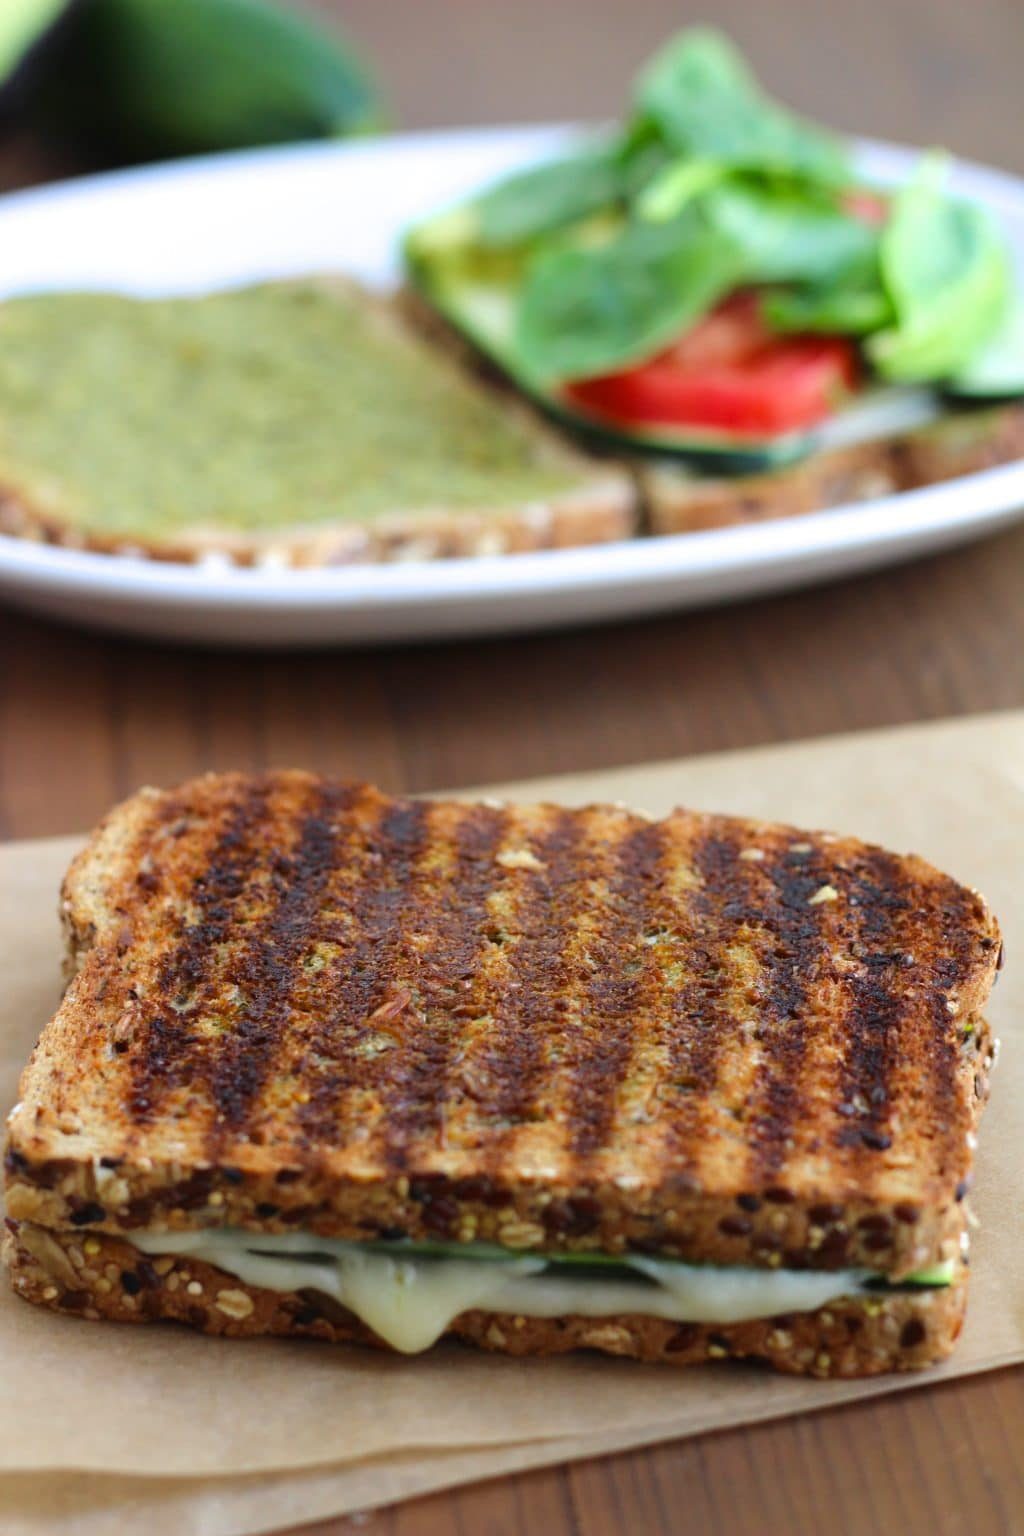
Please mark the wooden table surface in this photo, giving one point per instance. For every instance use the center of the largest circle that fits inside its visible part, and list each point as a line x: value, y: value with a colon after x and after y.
x: 84, y: 719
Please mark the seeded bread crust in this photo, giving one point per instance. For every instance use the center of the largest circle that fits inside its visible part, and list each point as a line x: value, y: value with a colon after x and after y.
x: 860, y: 1233
x: 961, y: 444
x: 601, y: 511
x: 103, y: 1277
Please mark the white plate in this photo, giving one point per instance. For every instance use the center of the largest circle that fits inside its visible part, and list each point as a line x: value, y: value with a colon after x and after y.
x: 231, y: 219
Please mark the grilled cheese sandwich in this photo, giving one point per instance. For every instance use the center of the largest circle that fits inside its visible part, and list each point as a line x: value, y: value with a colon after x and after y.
x: 383, y: 1070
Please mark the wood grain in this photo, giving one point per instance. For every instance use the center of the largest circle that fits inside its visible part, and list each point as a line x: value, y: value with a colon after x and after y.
x: 85, y: 719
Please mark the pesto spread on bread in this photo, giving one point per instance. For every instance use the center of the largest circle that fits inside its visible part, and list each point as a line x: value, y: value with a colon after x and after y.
x: 268, y: 407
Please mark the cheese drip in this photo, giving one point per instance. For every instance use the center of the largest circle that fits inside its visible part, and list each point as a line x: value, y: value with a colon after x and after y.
x: 409, y: 1300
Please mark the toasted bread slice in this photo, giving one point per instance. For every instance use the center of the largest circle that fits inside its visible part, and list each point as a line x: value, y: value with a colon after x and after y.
x: 295, y: 423
x: 852, y: 1336
x: 300, y: 1002
x: 959, y: 444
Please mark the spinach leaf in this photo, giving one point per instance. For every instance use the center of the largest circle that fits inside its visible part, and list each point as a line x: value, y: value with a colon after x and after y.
x: 707, y: 104
x: 855, y: 304
x: 946, y: 271
x: 528, y: 206
x: 534, y: 202
x: 641, y: 155
x: 997, y: 371
x: 787, y: 236
x: 675, y: 185
x: 586, y: 312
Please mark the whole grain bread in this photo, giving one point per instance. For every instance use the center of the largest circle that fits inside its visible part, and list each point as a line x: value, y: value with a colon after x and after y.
x: 591, y: 502
x: 101, y: 1276
x: 298, y: 1002
x: 959, y: 444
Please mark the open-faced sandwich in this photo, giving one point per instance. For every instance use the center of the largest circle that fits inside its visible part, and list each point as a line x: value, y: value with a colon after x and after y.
x: 714, y: 287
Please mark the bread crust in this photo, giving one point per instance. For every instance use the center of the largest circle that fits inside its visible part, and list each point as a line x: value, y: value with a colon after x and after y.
x: 602, y: 510
x: 960, y: 444
x: 111, y: 1280
x: 122, y: 1120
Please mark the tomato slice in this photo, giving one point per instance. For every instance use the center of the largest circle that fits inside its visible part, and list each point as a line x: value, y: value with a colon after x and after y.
x: 728, y: 373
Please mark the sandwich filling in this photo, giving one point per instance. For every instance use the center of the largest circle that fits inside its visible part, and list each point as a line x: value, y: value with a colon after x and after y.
x: 409, y: 1294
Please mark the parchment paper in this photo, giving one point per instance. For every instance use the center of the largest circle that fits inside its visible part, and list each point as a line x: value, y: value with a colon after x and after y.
x: 199, y: 1424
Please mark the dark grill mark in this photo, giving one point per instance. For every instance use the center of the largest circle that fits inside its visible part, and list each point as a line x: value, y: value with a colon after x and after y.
x: 415, y: 1098
x: 879, y: 908
x: 798, y: 937
x: 166, y: 1046
x: 701, y: 1019
x: 768, y: 899
x: 265, y: 969
x: 890, y: 1030
x: 502, y: 1078
x: 369, y: 974
x: 613, y: 997
x: 947, y: 973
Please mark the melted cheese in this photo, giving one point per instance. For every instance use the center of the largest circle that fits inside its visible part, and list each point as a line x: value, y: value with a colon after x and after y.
x: 409, y: 1301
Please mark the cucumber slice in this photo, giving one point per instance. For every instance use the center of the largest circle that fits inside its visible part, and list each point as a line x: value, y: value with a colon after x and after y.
x: 709, y: 451
x: 598, y: 1266
x: 933, y: 1277
x: 481, y: 309
x: 490, y: 1252
x: 616, y: 1266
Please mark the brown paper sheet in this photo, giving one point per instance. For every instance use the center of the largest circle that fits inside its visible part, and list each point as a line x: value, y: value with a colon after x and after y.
x: 191, y: 1424
x: 103, y: 1504
x: 85, y: 1504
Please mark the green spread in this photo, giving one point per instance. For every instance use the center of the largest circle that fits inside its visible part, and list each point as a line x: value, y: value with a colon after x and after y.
x: 248, y: 411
